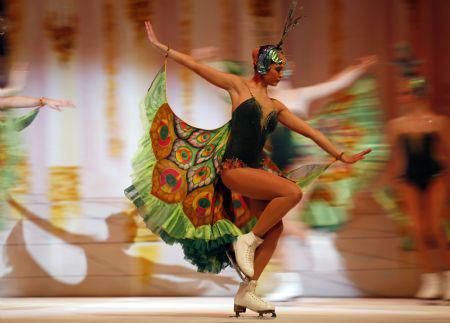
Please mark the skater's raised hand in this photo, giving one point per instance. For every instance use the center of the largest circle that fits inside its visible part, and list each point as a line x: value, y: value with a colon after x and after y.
x: 151, y: 34
x: 353, y: 159
x: 223, y: 80
x: 154, y: 41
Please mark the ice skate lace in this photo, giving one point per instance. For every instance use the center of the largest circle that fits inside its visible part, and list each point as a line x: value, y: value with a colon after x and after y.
x: 249, y: 253
x: 257, y: 299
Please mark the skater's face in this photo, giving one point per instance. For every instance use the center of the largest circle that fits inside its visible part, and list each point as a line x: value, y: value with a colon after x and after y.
x: 275, y: 73
x: 406, y: 96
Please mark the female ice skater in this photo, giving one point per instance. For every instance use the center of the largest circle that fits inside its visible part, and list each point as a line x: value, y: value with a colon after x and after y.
x: 210, y: 189
x: 419, y: 168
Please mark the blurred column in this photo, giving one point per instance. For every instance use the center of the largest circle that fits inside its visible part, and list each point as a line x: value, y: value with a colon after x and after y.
x: 336, y: 36
x: 63, y: 129
x: 115, y: 143
x: 186, y: 45
x: 263, y: 21
x: 439, y: 31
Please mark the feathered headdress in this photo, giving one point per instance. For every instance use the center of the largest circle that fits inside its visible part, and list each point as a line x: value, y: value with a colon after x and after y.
x: 409, y: 69
x: 268, y: 54
x: 290, y: 23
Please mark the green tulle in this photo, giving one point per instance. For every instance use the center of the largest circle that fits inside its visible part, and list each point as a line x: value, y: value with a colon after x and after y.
x: 10, y: 150
x: 305, y: 175
x: 25, y: 120
x: 11, y: 153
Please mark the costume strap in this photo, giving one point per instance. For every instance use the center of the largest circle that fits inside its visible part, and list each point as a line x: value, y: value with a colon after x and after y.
x: 251, y: 93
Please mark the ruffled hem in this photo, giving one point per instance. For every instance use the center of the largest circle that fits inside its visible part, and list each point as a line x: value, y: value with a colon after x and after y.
x: 203, y: 246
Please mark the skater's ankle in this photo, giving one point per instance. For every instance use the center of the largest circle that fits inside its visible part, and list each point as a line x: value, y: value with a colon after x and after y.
x: 257, y: 234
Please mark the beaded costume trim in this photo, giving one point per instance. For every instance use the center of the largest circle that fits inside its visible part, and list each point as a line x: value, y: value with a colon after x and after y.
x: 231, y: 163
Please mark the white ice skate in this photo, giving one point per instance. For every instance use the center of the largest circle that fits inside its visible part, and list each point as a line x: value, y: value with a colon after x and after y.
x: 430, y: 286
x: 246, y: 298
x: 446, y: 285
x: 244, y: 249
x: 232, y: 258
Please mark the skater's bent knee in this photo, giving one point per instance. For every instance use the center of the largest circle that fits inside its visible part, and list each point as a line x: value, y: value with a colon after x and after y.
x: 295, y: 194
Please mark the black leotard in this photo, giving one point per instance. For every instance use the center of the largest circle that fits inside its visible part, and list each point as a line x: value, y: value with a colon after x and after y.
x: 421, y: 164
x: 249, y: 131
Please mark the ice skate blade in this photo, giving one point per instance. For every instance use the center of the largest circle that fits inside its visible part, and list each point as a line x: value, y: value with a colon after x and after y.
x: 238, y: 310
x: 433, y: 301
x: 261, y: 314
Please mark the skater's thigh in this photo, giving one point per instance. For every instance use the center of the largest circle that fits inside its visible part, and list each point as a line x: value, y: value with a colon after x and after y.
x: 411, y: 197
x: 258, y: 184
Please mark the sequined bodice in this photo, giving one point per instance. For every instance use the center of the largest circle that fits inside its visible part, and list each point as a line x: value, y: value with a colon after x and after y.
x: 249, y: 131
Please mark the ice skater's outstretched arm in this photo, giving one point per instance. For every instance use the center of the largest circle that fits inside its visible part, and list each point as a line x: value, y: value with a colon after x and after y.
x: 226, y: 81
x: 17, y: 102
x: 337, y: 82
x: 300, y: 99
x: 296, y: 124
